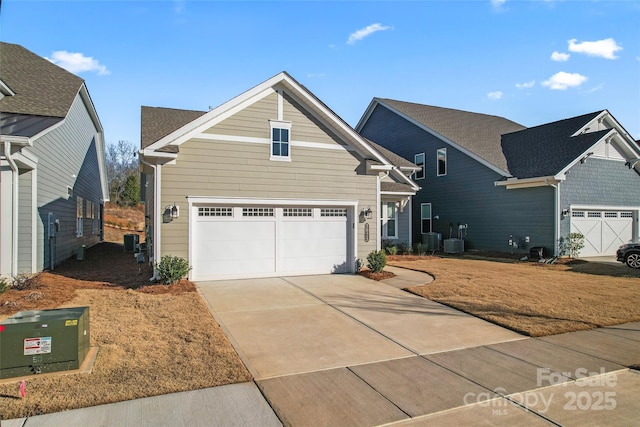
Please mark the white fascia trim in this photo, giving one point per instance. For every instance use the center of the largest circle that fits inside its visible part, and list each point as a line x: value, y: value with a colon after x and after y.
x: 23, y: 141
x: 562, y: 173
x: 337, y: 122
x: 201, y: 200
x: 397, y: 193
x: 367, y: 113
x: 377, y: 210
x: 91, y: 109
x: 381, y: 167
x: 267, y: 141
x: 157, y: 154
x: 6, y: 89
x: 587, y: 125
x: 603, y: 208
x: 26, y: 158
x: 444, y: 139
x: 514, y: 183
x: 218, y: 114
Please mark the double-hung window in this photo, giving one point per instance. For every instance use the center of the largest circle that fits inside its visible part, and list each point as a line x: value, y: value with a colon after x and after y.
x: 280, y: 140
x: 389, y: 220
x: 419, y: 161
x: 79, y: 217
x: 442, y: 161
x: 425, y: 218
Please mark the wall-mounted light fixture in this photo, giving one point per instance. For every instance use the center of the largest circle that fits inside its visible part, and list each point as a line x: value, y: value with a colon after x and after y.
x: 175, y: 211
x: 586, y: 156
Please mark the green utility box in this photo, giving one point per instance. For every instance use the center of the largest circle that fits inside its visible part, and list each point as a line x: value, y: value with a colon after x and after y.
x: 34, y: 342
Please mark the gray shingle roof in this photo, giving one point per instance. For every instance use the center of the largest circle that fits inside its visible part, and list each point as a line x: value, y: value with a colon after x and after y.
x: 391, y: 156
x: 478, y: 133
x: 25, y: 125
x: 157, y: 122
x: 547, y: 149
x: 395, y: 187
x: 41, y: 88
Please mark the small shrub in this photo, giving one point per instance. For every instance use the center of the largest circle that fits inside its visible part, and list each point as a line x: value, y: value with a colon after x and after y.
x: 171, y: 269
x: 420, y: 249
x: 5, y: 285
x: 376, y: 260
x: 23, y: 282
x: 391, y: 250
x: 404, y: 248
x: 571, y: 245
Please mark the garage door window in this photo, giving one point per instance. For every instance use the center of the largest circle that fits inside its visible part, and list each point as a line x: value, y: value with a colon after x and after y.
x: 333, y: 212
x: 305, y: 212
x: 210, y: 211
x: 257, y: 211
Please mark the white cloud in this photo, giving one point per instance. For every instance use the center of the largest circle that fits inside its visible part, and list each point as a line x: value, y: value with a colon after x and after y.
x: 77, y: 63
x: 494, y: 95
x: 497, y: 3
x: 367, y: 31
x: 526, y: 85
x: 605, y: 48
x: 560, y: 57
x: 563, y: 81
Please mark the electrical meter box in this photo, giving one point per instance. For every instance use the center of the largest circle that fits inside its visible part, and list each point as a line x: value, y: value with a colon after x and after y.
x: 34, y: 342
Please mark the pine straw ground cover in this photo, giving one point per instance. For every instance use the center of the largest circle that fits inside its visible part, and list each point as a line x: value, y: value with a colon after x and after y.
x: 531, y: 298
x: 152, y: 339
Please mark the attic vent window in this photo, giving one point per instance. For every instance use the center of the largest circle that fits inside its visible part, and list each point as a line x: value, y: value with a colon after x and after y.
x: 280, y: 140
x: 442, y: 161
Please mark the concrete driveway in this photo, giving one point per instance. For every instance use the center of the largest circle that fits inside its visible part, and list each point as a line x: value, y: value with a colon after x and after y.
x: 344, y: 350
x: 291, y: 325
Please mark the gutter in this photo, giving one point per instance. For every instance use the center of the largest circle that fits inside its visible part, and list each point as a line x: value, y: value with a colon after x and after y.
x: 156, y: 217
x: 14, y: 207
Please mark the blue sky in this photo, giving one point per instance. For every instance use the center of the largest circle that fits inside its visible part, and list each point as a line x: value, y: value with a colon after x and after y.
x: 530, y: 61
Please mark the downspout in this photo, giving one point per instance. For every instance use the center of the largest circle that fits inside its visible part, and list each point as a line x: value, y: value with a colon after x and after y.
x: 14, y: 207
x: 156, y: 215
x: 556, y: 221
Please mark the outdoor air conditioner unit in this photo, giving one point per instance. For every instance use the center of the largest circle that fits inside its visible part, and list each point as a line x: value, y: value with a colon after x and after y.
x: 454, y: 246
x: 432, y: 240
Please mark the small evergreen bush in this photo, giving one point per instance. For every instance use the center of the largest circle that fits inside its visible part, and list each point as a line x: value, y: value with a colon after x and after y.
x: 171, y: 269
x: 404, y: 248
x: 420, y: 249
x: 391, y: 250
x: 376, y: 260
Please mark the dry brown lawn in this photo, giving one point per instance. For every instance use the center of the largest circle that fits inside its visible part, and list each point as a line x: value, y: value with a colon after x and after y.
x: 531, y: 298
x: 152, y: 339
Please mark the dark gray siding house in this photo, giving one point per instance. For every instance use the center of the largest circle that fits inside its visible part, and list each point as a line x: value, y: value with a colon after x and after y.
x: 505, y: 187
x: 52, y: 174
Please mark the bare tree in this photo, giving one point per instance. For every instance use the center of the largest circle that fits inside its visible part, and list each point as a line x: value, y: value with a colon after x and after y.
x: 121, y: 164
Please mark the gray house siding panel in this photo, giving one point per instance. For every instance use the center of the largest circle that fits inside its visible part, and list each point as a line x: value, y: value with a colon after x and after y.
x: 467, y: 193
x: 25, y: 216
x: 68, y: 157
x: 599, y: 182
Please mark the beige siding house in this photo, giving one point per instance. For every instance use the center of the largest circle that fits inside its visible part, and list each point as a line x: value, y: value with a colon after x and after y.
x: 53, y: 181
x: 270, y: 183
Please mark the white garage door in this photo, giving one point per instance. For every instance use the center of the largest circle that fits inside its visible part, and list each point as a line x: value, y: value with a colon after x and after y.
x: 248, y: 241
x: 603, y: 231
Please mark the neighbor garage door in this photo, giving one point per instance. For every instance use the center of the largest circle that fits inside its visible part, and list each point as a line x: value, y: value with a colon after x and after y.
x: 603, y: 230
x: 262, y: 241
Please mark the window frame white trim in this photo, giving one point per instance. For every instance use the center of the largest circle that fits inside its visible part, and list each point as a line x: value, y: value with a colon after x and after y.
x: 79, y: 217
x: 430, y: 218
x: 438, y: 151
x: 423, y: 168
x: 384, y: 220
x: 279, y: 124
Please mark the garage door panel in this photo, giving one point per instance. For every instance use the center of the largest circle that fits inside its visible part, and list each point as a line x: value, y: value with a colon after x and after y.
x: 603, y: 231
x: 226, y: 247
x: 222, y: 248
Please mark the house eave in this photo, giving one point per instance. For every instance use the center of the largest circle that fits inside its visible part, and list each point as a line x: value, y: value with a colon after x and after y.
x: 515, y: 183
x: 22, y: 141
